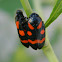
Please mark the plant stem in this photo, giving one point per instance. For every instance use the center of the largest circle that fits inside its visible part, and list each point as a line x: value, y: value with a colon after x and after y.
x: 26, y: 7
x: 47, y: 49
x: 38, y: 7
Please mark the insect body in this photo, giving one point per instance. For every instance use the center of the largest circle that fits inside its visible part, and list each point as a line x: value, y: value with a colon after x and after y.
x: 31, y: 30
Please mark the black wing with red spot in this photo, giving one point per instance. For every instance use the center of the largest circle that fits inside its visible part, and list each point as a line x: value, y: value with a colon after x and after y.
x: 21, y: 25
x: 37, y: 27
x: 31, y: 31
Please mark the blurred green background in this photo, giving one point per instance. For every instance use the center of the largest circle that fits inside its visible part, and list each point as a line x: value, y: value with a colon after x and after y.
x: 11, y: 49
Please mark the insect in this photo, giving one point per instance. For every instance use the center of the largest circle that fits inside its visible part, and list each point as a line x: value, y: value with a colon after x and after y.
x: 31, y: 30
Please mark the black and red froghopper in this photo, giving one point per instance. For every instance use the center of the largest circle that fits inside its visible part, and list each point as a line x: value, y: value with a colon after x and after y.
x: 31, y: 30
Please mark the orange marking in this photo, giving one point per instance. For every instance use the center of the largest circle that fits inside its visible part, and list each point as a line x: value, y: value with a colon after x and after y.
x: 40, y: 25
x: 24, y: 41
x: 30, y: 26
x: 29, y: 33
x: 42, y: 31
x: 42, y: 40
x: 36, y: 41
x: 33, y: 42
x: 17, y: 24
x: 21, y: 32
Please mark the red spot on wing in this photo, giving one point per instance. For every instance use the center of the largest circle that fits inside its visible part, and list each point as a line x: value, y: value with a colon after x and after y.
x: 36, y: 41
x: 17, y: 24
x: 24, y: 41
x: 41, y: 41
x: 21, y: 32
x: 32, y: 42
x: 40, y: 25
x: 30, y: 26
x: 42, y: 31
x: 29, y: 33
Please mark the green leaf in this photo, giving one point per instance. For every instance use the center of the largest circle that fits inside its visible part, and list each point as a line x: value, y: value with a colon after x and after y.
x: 57, y: 10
